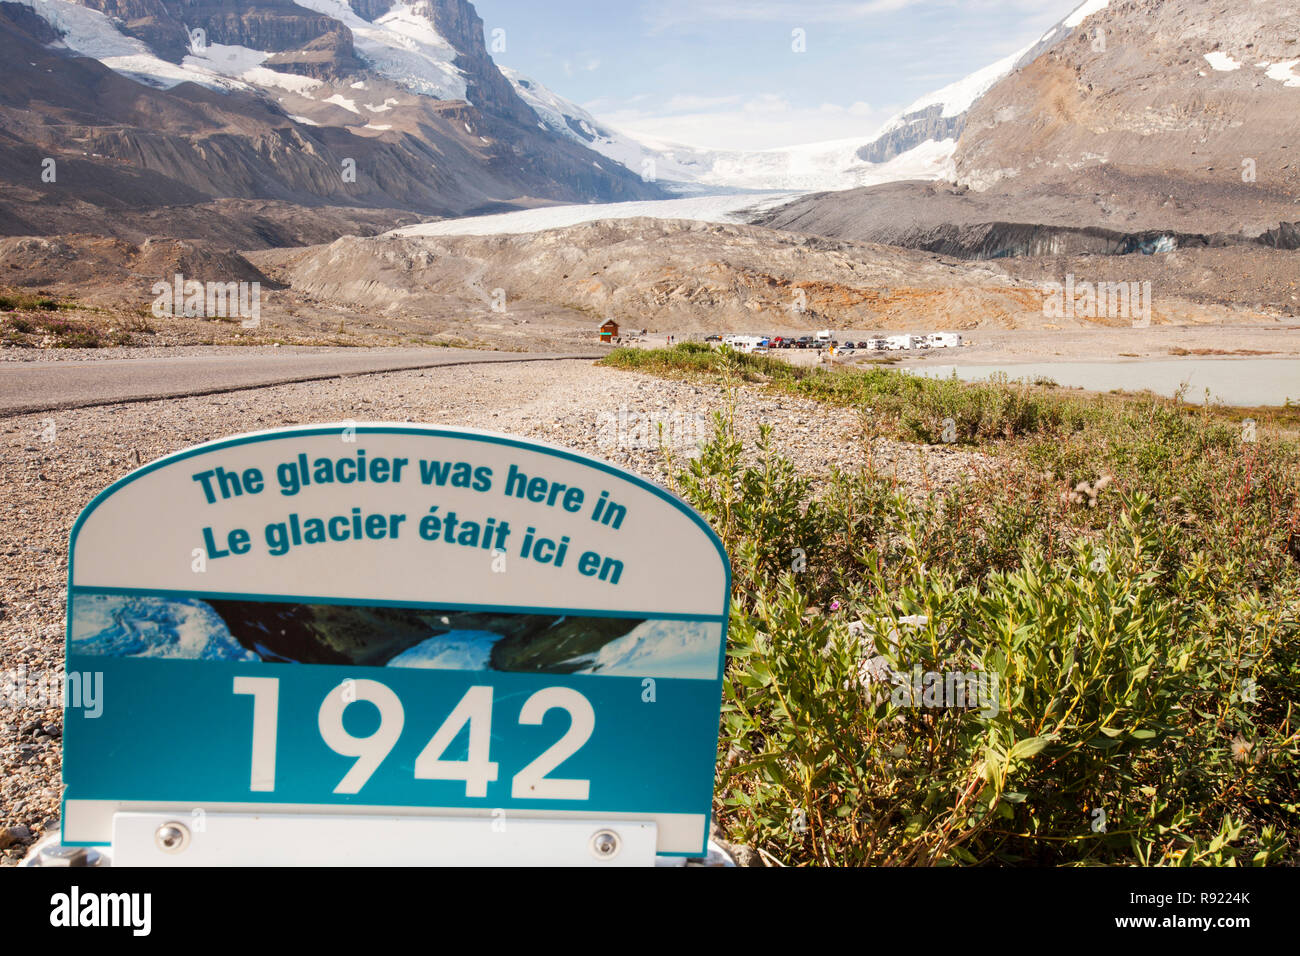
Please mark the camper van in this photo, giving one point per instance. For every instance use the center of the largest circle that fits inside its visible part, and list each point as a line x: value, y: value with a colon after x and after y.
x: 875, y: 345
x: 748, y: 343
x: 897, y: 342
x: 944, y: 340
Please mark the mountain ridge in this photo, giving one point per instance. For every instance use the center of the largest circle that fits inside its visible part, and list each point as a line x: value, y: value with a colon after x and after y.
x: 1135, y: 125
x: 304, y: 122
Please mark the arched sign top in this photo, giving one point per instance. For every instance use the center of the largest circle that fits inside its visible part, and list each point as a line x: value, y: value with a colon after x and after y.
x: 478, y: 593
x: 486, y: 490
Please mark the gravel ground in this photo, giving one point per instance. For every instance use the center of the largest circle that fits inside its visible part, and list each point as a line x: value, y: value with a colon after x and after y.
x: 51, y: 465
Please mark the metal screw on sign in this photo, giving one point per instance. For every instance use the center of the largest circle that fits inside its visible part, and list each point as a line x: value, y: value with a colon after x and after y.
x: 605, y: 844
x: 59, y: 855
x: 172, y: 837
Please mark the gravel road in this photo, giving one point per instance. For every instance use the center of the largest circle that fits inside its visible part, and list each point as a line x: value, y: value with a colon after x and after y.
x: 52, y: 464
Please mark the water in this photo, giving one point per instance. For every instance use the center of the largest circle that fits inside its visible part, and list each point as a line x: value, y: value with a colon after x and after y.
x: 1240, y: 382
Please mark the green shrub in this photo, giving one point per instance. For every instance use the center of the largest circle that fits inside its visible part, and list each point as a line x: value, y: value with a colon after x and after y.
x: 1146, y: 668
x: 693, y: 348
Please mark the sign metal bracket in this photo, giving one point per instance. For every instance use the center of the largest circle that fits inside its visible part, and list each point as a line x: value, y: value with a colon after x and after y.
x: 161, y: 838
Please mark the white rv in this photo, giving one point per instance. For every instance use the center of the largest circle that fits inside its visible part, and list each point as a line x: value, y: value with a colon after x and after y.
x: 944, y: 340
x: 748, y: 343
x: 896, y: 342
x: 876, y: 345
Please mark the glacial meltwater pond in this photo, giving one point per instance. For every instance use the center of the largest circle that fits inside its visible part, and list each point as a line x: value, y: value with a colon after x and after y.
x: 1242, y: 382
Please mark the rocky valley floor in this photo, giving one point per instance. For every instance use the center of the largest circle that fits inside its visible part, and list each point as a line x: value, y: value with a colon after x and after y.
x: 551, y: 290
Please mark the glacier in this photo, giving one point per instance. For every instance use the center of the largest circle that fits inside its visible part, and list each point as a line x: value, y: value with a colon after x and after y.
x: 114, y: 625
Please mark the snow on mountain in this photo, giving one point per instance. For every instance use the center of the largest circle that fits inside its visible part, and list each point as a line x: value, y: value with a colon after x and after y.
x: 687, y: 650
x: 818, y: 167
x: 1285, y: 73
x: 558, y: 114
x: 568, y: 119
x: 957, y: 98
x: 1084, y: 12
x: 1066, y: 26
x: 90, y: 33
x: 274, y: 79
x: 112, y: 625
x: 454, y: 650
x: 239, y: 67
x: 403, y: 46
x: 1222, y: 62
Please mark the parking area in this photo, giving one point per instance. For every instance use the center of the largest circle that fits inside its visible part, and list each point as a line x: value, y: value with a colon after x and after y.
x: 838, y: 343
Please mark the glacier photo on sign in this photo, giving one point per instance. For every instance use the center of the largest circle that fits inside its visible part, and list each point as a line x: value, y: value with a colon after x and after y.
x: 115, y: 625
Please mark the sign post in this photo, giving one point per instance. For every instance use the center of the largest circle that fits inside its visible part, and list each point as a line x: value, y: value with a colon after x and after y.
x: 391, y: 644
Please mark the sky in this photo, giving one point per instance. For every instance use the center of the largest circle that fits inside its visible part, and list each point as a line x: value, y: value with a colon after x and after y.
x: 730, y: 74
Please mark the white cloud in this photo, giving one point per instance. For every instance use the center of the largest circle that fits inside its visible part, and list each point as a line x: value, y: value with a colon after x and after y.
x: 687, y: 102
x: 670, y: 13
x: 666, y: 14
x: 590, y: 65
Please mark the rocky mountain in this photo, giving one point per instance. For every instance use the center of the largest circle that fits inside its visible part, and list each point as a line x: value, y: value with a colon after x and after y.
x: 666, y: 274
x: 378, y: 110
x: 1197, y: 89
x: 679, y: 276
x: 940, y: 117
x: 1149, y: 125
